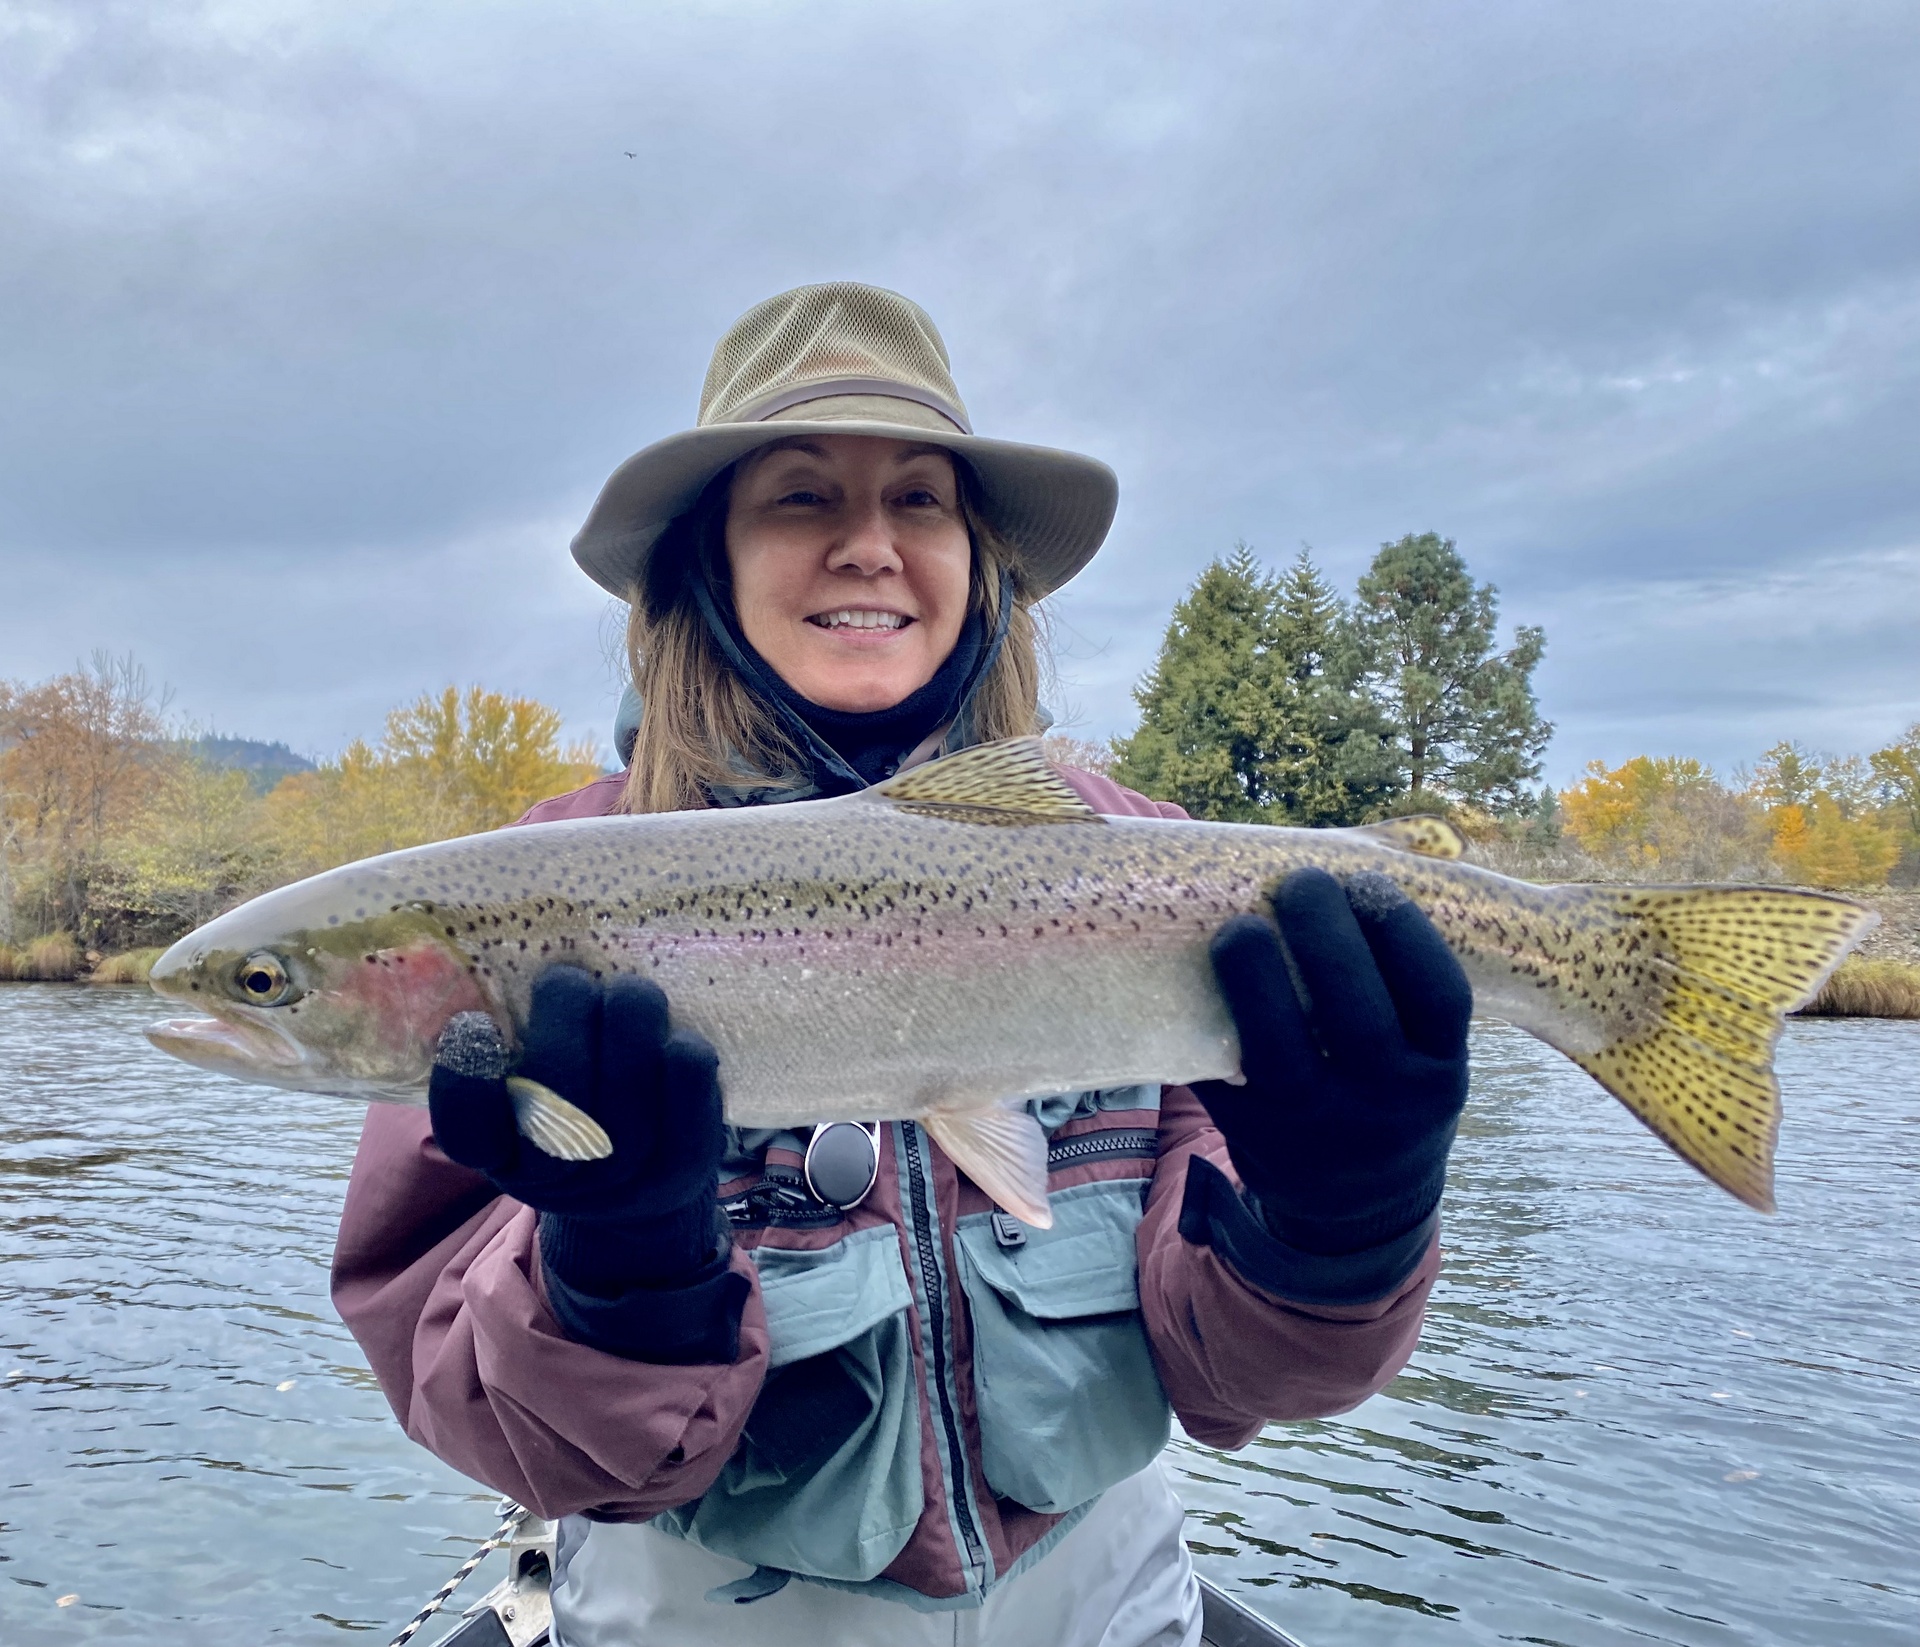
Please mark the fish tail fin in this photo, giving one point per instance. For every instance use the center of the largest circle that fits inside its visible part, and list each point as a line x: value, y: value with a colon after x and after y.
x: 1736, y: 961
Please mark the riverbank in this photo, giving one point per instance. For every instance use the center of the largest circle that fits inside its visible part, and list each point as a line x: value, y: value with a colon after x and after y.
x: 57, y: 959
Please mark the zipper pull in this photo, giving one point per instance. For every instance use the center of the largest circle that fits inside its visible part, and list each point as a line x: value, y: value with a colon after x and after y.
x: 1009, y: 1231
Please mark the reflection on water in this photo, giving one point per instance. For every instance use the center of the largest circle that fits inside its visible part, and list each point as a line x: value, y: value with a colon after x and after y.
x: 1640, y: 1412
x: 190, y: 1443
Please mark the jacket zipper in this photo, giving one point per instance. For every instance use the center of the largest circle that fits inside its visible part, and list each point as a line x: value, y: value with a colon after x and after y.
x: 1116, y: 1143
x: 937, y: 1323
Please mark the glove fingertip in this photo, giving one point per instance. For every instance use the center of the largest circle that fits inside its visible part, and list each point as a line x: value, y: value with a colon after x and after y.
x: 472, y: 1045
x: 472, y: 1120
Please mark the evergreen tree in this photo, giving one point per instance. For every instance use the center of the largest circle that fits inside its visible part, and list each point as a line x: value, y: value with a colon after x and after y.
x: 1252, y: 712
x: 1208, y: 715
x: 1336, y: 764
x: 1467, y: 723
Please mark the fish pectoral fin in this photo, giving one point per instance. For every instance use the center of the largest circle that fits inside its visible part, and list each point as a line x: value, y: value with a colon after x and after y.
x: 1004, y: 1152
x: 1423, y: 834
x: 1010, y: 782
x: 552, y: 1125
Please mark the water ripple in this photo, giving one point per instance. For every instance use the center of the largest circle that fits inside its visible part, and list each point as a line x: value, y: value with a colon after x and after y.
x: 1640, y: 1412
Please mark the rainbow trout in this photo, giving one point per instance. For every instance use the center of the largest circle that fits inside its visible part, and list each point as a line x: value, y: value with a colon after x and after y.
x: 965, y: 936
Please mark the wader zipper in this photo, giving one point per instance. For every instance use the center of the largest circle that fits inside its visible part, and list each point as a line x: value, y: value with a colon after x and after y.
x: 937, y: 1323
x: 1116, y: 1144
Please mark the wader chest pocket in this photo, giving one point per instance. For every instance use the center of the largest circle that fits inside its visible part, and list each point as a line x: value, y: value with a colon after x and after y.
x: 1069, y: 1399
x: 826, y: 1480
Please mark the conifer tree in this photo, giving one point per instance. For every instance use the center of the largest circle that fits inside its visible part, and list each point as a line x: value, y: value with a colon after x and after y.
x: 1467, y: 724
x: 1208, y: 716
x: 1336, y: 765
x: 1252, y: 712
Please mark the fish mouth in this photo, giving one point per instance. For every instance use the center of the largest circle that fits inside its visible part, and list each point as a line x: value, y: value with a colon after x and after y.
x: 226, y: 1049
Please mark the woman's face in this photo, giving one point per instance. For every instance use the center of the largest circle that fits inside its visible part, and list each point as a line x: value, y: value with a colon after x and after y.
x: 851, y: 565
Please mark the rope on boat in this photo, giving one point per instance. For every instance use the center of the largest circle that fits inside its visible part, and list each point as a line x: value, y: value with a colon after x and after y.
x: 512, y: 1515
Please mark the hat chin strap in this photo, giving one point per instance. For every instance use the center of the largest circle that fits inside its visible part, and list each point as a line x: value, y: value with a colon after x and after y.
x: 763, y: 407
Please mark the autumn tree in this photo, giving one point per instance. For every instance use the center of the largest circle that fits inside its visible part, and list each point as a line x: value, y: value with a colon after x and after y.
x: 450, y: 763
x: 1896, y: 771
x: 196, y: 847
x: 1668, y: 816
x: 80, y: 755
x: 1827, y: 823
x: 1466, y: 721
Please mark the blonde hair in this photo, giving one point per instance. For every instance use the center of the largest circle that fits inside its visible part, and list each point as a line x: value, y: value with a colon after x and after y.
x: 700, y: 723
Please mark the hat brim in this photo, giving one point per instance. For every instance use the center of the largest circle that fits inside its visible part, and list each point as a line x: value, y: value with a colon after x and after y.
x: 1053, y: 508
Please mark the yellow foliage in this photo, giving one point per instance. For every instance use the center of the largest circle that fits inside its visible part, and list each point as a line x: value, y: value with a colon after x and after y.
x: 193, y: 849
x: 486, y: 757
x: 1666, y: 813
x: 449, y: 764
x: 1817, y: 844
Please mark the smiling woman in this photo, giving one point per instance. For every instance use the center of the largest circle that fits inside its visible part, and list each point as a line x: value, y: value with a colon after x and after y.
x: 851, y: 562
x: 820, y: 582
x: 852, y: 1348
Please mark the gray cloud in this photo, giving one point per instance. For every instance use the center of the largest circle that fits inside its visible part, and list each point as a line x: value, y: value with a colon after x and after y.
x: 322, y: 324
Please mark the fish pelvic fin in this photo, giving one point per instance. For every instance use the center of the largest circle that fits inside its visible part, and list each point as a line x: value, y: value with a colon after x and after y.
x: 1422, y: 834
x: 1010, y: 782
x: 1736, y: 961
x: 555, y: 1127
x: 1002, y: 1150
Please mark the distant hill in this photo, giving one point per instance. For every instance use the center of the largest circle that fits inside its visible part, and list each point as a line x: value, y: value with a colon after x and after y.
x: 265, y: 764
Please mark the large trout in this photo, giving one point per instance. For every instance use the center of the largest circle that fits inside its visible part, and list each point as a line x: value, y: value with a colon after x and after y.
x: 965, y: 936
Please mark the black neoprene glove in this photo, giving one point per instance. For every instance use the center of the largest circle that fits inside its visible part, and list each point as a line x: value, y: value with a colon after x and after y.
x: 1354, y: 1085
x: 634, y: 1246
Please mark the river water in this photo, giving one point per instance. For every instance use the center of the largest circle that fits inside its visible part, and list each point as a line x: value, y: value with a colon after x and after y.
x: 1640, y: 1413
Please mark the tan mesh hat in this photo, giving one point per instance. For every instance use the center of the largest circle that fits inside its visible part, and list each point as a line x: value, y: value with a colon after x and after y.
x: 845, y: 359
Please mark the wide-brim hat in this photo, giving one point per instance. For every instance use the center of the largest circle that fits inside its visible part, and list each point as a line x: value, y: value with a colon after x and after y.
x: 846, y: 359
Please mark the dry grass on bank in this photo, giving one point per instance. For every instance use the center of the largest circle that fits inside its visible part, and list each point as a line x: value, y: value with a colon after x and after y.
x: 130, y: 968
x: 1868, y: 989
x: 54, y: 959
x: 57, y: 959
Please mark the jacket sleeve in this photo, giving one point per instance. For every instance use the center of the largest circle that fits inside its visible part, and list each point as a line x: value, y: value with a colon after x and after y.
x: 439, y: 1279
x: 1233, y: 1356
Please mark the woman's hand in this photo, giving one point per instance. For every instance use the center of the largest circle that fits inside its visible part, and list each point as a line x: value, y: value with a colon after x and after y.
x: 1355, y: 1079
x: 645, y: 1216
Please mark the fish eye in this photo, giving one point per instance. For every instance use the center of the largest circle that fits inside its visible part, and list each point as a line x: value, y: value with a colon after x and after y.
x: 263, y: 980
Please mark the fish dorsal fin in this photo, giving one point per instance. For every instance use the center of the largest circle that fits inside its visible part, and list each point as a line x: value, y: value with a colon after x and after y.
x: 1010, y: 782
x: 1427, y: 836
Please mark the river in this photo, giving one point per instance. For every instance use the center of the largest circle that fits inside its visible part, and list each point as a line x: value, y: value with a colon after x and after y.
x: 1640, y: 1412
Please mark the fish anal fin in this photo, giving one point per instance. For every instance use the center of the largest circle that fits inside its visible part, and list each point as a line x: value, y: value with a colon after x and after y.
x: 553, y: 1126
x: 1732, y: 962
x: 1004, y: 1151
x: 1010, y: 782
x: 1422, y: 834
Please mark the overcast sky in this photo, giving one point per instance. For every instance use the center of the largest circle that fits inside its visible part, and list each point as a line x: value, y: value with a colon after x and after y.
x: 321, y: 324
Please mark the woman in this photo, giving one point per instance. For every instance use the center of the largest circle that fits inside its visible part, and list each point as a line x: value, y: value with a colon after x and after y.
x: 824, y: 1374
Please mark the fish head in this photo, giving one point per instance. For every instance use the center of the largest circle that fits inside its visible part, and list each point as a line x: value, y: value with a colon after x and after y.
x: 331, y: 985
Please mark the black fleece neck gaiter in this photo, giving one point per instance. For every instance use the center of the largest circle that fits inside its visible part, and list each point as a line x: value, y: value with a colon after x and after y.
x: 874, y: 744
